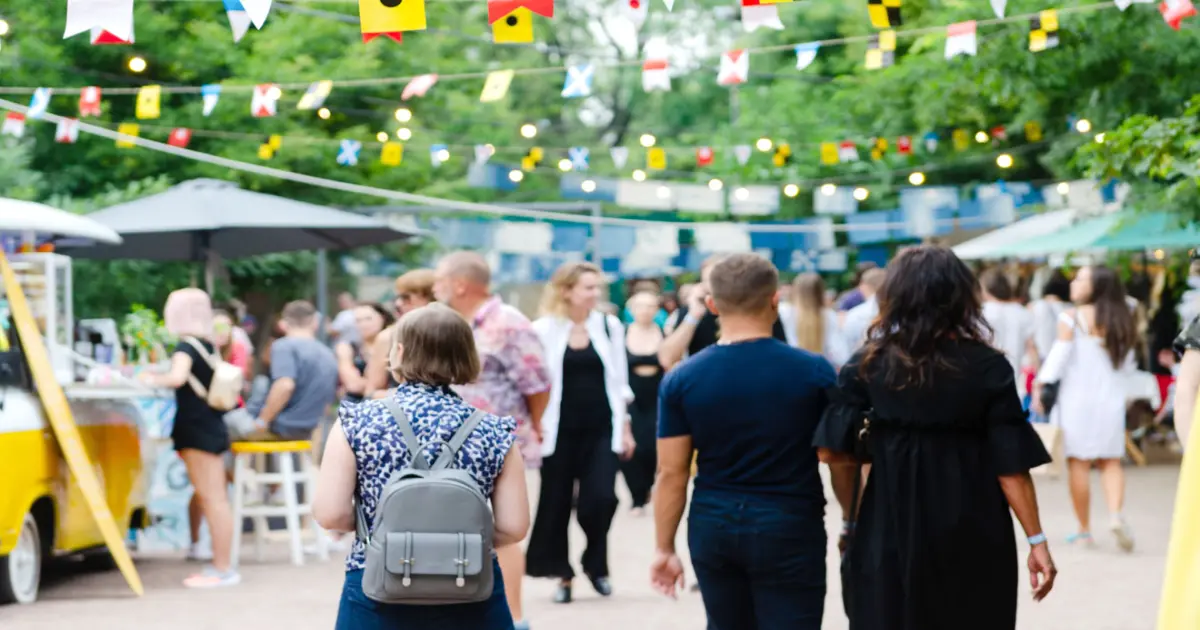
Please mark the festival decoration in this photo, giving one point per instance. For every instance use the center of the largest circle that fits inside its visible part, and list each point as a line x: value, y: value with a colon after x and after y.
x: 108, y: 21
x: 735, y: 68
x: 314, y: 97
x: 881, y: 50
x: 149, y: 99
x: 879, y: 147
x: 1043, y: 31
x: 38, y: 103
x: 656, y: 159
x: 742, y: 153
x: 829, y: 153
x: 495, y: 88
x: 998, y: 7
x: 1176, y: 11
x: 239, y: 19
x: 756, y: 15
x: 438, y: 154
x: 128, y: 131
x: 961, y: 39
x: 635, y: 11
x: 960, y: 139
x: 904, y: 145
x: 1033, y: 131
x: 533, y: 159
x: 884, y: 13
x: 783, y: 155
x: 418, y: 86
x: 578, y: 157
x: 14, y: 125
x: 390, y: 18
x: 806, y: 54
x: 211, y: 94
x: 579, y: 81
x: 655, y: 76
x: 391, y: 154
x: 514, y: 28
x: 704, y: 156
x: 931, y: 142
x: 266, y: 96
x: 483, y: 153
x: 847, y: 151
x: 270, y: 147
x: 89, y: 102
x: 180, y: 137
x: 619, y: 155
x: 347, y: 154
x: 67, y: 131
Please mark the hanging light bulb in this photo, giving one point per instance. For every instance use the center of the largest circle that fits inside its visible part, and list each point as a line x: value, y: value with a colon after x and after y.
x: 791, y: 190
x: 3, y: 27
x: 1063, y: 188
x: 382, y: 136
x: 639, y: 175
x: 1100, y: 138
x: 742, y: 194
x: 1083, y: 125
x: 323, y: 113
x: 828, y: 189
x: 564, y: 165
x: 137, y: 64
x: 274, y: 93
x: 981, y: 137
x: 403, y: 114
x: 1004, y: 160
x: 515, y: 176
x: 648, y: 140
x: 443, y: 155
x: 528, y: 130
x: 588, y: 186
x: 917, y: 178
x: 715, y: 184
x: 404, y: 134
x: 861, y: 193
x: 764, y: 144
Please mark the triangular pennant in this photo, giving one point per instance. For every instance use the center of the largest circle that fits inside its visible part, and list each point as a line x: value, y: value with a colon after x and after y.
x: 180, y: 137
x: 101, y: 37
x: 149, y: 99
x: 620, y: 156
x: 998, y: 7
x: 670, y: 5
x: 755, y: 17
x: 495, y: 87
x: 961, y: 39
x: 806, y: 54
x: 418, y: 86
x: 391, y: 155
x: 483, y: 153
x: 112, y: 16
x: 128, y: 132
x: 579, y: 158
x: 1125, y: 4
x: 742, y: 152
x: 211, y: 94
x: 314, y: 97
x: 14, y: 125
x: 239, y: 19
x: 1176, y: 11
x: 655, y: 76
x: 263, y: 103
x: 67, y: 131
x: 390, y: 19
x: 735, y: 68
x: 258, y: 10
x: 39, y: 103
x: 704, y: 156
x: 89, y: 102
x: 635, y: 11
x: 579, y: 81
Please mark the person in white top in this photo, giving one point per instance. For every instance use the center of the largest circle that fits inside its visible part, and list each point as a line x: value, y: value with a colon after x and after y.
x: 1056, y: 298
x: 586, y: 428
x: 858, y: 319
x: 1012, y: 325
x: 1093, y: 351
x: 809, y: 324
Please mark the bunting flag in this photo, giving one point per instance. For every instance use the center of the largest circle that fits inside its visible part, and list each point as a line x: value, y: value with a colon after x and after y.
x: 533, y: 159
x: 14, y: 125
x: 999, y: 133
x: 829, y: 153
x: 495, y: 88
x: 881, y: 50
x: 656, y: 159
x: 704, y: 156
x: 314, y: 97
x: 620, y: 156
x: 931, y: 142
x: 256, y: 10
x: 655, y: 76
x: 884, y: 13
x: 266, y: 96
x: 579, y: 158
x: 483, y: 152
x: 270, y: 147
x: 389, y: 18
x: 102, y: 37
x: 180, y: 137
x: 879, y: 147
x: 960, y: 139
x: 1176, y: 11
x: 806, y: 54
x: 239, y: 19
x: 579, y: 81
x: 418, y: 86
x: 1033, y: 131
x: 670, y: 5
x: 756, y: 16
x: 113, y: 17
x: 39, y: 103
x: 89, y: 102
x: 998, y: 7
x: 1043, y: 31
x: 128, y: 132
x: 438, y: 154
x: 149, y: 102
x: 514, y: 28
x: 847, y: 151
x: 904, y: 145
x: 961, y: 39
x: 783, y: 155
x: 391, y: 155
x: 742, y: 153
x: 635, y: 11
x: 735, y: 68
x: 67, y: 131
x: 211, y: 94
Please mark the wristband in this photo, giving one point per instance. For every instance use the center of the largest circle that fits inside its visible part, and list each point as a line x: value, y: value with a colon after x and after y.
x: 1037, y: 539
x: 691, y: 319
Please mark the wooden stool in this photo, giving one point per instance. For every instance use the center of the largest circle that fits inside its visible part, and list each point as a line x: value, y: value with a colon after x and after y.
x: 250, y: 481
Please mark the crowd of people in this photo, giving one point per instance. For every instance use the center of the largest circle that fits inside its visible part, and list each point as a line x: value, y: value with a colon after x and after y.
x: 909, y: 388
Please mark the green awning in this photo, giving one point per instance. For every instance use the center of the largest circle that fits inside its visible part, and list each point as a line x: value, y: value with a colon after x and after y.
x: 1080, y: 236
x: 1128, y: 230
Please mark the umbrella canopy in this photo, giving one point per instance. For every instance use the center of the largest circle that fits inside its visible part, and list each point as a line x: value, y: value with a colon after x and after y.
x: 1077, y: 237
x: 993, y: 244
x: 1129, y: 230
x: 1159, y: 230
x: 202, y: 218
x: 27, y: 216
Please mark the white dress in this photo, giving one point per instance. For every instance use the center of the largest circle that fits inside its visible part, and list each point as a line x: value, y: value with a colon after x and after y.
x: 1090, y: 408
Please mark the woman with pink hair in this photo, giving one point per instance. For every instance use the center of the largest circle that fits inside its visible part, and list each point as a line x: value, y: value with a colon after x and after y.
x: 199, y: 432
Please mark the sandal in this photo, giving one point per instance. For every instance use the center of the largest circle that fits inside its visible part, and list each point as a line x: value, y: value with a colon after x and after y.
x: 1081, y: 537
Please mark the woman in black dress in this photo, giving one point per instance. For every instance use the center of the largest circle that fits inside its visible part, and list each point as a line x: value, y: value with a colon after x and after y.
x: 642, y: 341
x: 934, y: 408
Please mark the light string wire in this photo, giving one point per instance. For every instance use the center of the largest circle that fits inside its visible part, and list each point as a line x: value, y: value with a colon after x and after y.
x: 384, y: 81
x: 449, y: 205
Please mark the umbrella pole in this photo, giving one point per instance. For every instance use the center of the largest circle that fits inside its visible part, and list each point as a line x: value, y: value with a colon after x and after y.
x: 323, y: 292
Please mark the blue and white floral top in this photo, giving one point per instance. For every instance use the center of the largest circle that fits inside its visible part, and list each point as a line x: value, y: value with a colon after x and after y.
x: 435, y: 413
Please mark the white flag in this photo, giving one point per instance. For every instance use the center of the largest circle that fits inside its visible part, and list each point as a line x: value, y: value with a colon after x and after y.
x: 14, y: 125
x: 735, y: 68
x: 998, y: 6
x: 620, y: 155
x: 960, y: 39
x: 635, y: 11
x: 483, y: 152
x: 759, y: 16
x: 114, y: 16
x: 211, y: 94
x: 655, y: 76
x: 67, y: 131
x: 742, y: 152
x: 262, y: 104
x: 39, y: 103
x: 806, y: 54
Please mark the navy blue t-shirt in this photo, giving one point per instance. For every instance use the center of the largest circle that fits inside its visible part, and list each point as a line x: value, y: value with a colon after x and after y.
x: 751, y: 408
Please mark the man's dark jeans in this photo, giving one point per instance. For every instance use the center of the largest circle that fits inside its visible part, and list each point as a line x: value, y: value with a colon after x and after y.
x: 760, y: 562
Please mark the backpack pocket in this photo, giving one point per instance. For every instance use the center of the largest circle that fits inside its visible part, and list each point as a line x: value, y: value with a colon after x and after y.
x: 431, y: 568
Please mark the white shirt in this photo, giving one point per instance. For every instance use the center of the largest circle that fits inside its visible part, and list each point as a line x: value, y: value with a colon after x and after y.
x: 858, y: 320
x: 555, y: 334
x: 1012, y: 328
x: 345, y: 327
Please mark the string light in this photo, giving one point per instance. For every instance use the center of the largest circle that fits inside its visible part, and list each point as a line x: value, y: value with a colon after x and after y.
x: 648, y: 140
x: 443, y: 155
x: 828, y: 189
x: 791, y: 190
x: 515, y: 176
x: 382, y: 136
x: 664, y: 192
x: 3, y: 27
x: 715, y: 184
x: 1159, y: 254
x: 742, y: 194
x: 764, y: 144
x: 564, y: 165
x: 403, y: 114
x: 323, y: 113
x: 137, y: 64
x: 861, y: 194
x: 404, y: 133
x: 274, y: 93
x: 639, y: 175
x: 1100, y: 138
x: 981, y: 137
x: 917, y: 178
x: 1063, y: 188
x: 1004, y: 160
x: 1083, y: 125
x: 528, y: 130
x: 588, y: 186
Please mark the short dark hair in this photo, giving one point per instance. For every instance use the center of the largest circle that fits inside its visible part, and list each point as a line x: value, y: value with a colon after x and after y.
x: 743, y: 284
x: 1058, y: 285
x: 439, y: 347
x: 299, y: 313
x: 996, y: 284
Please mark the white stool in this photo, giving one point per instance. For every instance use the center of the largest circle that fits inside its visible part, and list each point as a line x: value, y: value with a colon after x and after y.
x: 249, y: 482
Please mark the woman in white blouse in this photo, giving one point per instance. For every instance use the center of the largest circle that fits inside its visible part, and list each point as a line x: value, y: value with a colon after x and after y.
x: 811, y: 325
x: 585, y: 428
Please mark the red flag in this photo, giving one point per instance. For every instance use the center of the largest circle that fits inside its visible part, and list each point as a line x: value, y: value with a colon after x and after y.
x: 999, y: 133
x: 500, y: 8
x: 704, y: 156
x: 904, y: 145
x: 1176, y: 11
x: 395, y: 36
x: 89, y: 101
x: 180, y: 137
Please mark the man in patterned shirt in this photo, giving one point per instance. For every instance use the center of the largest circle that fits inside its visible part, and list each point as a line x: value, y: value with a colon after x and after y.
x: 514, y: 380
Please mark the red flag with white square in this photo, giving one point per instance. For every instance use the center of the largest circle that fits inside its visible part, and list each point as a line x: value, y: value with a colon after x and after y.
x: 180, y: 137
x: 89, y: 102
x: 704, y: 156
x: 67, y: 131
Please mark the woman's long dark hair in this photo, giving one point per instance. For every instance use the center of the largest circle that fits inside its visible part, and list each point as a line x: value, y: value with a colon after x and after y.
x: 929, y: 296
x: 1114, y: 318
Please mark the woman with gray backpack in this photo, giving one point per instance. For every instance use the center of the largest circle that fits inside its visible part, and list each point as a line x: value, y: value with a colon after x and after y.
x: 430, y: 486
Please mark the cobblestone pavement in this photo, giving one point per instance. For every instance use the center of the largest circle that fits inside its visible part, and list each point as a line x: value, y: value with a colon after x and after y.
x: 1098, y: 589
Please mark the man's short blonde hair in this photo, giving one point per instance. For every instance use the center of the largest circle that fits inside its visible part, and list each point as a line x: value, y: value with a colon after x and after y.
x: 743, y: 284
x: 438, y: 348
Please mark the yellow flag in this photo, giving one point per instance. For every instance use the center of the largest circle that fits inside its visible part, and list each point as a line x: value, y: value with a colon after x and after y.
x: 532, y: 159
x: 1033, y: 131
x: 392, y: 154
x: 887, y: 40
x: 148, y: 100
x: 496, y: 86
x: 127, y: 129
x: 275, y: 142
x: 656, y: 159
x: 390, y: 19
x: 268, y: 149
x: 829, y: 153
x: 960, y: 139
x: 514, y: 28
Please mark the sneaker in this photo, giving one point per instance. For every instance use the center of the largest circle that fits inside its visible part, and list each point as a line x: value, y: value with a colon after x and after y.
x: 1124, y: 535
x: 199, y: 553
x: 211, y: 578
x: 1082, y: 538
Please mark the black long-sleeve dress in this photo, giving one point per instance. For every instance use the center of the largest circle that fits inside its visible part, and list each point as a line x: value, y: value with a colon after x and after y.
x: 934, y: 547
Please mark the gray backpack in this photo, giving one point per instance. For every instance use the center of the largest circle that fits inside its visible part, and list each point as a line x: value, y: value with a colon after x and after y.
x: 431, y: 541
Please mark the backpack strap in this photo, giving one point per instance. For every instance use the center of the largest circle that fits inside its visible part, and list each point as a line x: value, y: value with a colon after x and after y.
x: 460, y: 437
x: 410, y: 438
x: 197, y: 386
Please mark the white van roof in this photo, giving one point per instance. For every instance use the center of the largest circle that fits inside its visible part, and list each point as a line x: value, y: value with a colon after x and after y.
x: 27, y: 216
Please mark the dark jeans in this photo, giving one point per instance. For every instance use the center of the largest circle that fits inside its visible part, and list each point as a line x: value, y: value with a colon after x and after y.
x: 357, y: 612
x: 760, y: 562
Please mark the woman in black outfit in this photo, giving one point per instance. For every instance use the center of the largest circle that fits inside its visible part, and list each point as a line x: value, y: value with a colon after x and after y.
x: 585, y: 428
x: 935, y: 407
x: 372, y: 320
x: 199, y: 431
x: 645, y: 373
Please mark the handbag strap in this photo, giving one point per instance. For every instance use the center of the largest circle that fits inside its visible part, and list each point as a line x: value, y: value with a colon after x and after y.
x: 195, y: 383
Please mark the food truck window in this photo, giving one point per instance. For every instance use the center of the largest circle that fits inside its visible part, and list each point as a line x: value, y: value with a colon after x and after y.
x: 14, y: 370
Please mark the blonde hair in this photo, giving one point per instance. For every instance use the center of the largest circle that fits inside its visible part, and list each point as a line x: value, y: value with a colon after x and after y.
x: 189, y: 313
x: 438, y: 348
x: 417, y: 282
x: 809, y: 300
x: 565, y: 277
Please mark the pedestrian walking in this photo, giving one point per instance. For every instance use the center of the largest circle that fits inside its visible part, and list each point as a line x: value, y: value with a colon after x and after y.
x: 810, y: 324
x: 642, y: 340
x: 371, y: 320
x: 414, y: 289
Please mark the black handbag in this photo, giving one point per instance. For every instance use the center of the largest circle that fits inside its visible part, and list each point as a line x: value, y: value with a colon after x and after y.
x: 1049, y: 397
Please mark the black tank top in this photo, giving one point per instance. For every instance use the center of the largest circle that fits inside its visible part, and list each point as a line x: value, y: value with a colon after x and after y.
x: 645, y: 388
x: 584, y: 397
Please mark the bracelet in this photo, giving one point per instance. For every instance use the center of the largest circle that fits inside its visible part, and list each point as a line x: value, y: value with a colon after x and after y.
x: 691, y: 318
x: 1037, y: 539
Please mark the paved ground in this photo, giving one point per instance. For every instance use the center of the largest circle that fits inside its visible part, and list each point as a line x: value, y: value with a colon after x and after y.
x: 1099, y: 589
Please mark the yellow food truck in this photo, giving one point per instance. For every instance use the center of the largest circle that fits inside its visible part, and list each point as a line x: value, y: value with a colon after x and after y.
x: 43, y: 513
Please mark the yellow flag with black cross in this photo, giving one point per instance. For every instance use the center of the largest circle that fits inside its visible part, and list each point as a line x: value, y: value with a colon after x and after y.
x: 884, y: 13
x: 881, y: 50
x: 533, y: 158
x: 783, y: 154
x: 1043, y: 31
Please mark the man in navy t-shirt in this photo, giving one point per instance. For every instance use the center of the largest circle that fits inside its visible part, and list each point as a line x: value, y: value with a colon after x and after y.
x: 749, y: 406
